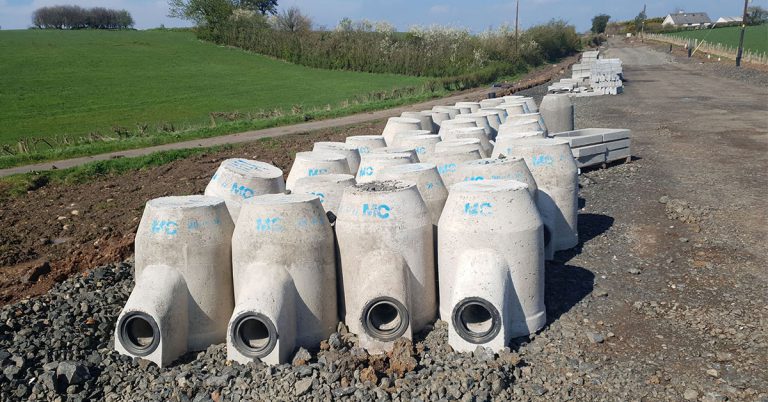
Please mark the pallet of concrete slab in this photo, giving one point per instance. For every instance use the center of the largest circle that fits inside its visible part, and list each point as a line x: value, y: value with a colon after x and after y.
x: 598, y: 146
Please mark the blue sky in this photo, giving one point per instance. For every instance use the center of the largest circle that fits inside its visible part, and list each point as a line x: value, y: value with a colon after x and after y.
x: 476, y: 15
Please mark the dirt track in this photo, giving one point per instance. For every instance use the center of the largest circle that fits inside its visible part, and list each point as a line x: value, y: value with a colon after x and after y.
x: 664, y: 299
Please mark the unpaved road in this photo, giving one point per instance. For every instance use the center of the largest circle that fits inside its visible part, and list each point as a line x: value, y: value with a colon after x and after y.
x: 664, y: 299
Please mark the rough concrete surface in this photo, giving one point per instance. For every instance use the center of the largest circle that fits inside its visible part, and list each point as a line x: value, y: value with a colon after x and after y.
x: 664, y: 299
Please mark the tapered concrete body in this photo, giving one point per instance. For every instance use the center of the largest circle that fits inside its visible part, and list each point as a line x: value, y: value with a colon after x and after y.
x: 494, y: 119
x: 448, y: 161
x: 316, y: 163
x: 385, y: 239
x: 184, y: 242
x: 481, y: 120
x: 493, y: 102
x: 238, y: 180
x: 397, y: 124
x: 285, y: 241
x: 425, y: 119
x: 499, y: 111
x: 531, y: 104
x: 438, y: 118
x: 461, y: 144
x: 514, y: 109
x: 398, y: 150
x: 451, y: 125
x: 513, y: 98
x: 427, y: 181
x: 489, y: 228
x: 350, y: 151
x: 523, y: 123
x: 424, y: 145
x: 464, y: 110
x: 512, y: 135
x: 372, y: 163
x: 554, y: 168
x: 557, y: 112
x: 406, y: 134
x: 328, y: 188
x: 365, y: 143
x: 452, y: 111
x: 473, y: 106
x: 472, y: 132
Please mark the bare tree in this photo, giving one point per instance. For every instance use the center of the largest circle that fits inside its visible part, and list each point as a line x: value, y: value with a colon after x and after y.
x: 293, y: 20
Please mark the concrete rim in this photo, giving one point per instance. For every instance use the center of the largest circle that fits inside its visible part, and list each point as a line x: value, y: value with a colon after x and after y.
x: 240, y: 326
x: 324, y: 156
x: 382, y: 308
x: 474, y: 306
x: 281, y: 199
x: 251, y: 168
x: 127, y: 338
x: 493, y: 161
x: 381, y: 186
x: 184, y: 202
x: 489, y: 186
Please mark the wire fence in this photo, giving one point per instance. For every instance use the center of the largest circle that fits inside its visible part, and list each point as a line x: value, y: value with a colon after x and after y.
x: 715, y: 49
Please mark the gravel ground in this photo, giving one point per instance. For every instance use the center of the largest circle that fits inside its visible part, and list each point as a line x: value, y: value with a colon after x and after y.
x: 664, y: 299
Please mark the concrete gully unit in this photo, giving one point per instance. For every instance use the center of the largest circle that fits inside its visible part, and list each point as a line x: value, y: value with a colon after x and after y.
x: 316, y: 163
x: 450, y: 125
x: 183, y: 297
x: 388, y: 270
x: 372, y: 163
x: 284, y: 266
x: 424, y: 145
x: 452, y: 111
x: 472, y: 132
x: 398, y: 124
x: 425, y: 118
x: 350, y: 151
x: 438, y: 118
x: 399, y: 150
x: 557, y: 112
x: 554, y: 168
x: 491, y: 262
x: 238, y: 180
x: 448, y: 161
x: 461, y: 144
x: 365, y: 143
x: 328, y: 188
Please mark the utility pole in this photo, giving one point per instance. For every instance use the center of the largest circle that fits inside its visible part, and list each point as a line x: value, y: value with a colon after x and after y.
x: 642, y: 31
x: 517, y: 34
x: 741, y: 36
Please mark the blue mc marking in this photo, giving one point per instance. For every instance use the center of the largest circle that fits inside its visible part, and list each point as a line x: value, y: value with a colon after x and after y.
x: 380, y: 211
x: 478, y: 209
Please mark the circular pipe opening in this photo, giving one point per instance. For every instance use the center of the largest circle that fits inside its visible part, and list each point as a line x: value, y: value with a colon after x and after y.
x: 139, y: 334
x: 254, y: 335
x: 476, y: 320
x: 385, y: 319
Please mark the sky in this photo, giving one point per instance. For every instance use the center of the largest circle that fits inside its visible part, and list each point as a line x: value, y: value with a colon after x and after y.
x: 477, y: 15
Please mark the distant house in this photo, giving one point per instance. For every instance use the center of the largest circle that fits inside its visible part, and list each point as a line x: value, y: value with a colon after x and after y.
x: 728, y: 20
x: 683, y: 19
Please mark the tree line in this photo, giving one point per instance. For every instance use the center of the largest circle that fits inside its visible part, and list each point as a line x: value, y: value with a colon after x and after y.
x: 75, y: 17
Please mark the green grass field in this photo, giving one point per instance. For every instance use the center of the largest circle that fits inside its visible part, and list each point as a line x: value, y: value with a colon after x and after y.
x: 755, y: 37
x: 71, y: 83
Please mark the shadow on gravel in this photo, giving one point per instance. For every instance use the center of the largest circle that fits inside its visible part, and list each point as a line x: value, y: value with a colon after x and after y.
x: 565, y: 286
x: 590, y: 226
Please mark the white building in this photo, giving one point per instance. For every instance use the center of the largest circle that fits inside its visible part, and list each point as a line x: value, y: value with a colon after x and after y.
x: 684, y: 19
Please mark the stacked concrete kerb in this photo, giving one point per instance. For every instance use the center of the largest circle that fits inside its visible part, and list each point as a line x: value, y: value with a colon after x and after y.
x: 552, y: 165
x: 316, y: 163
x: 328, y: 188
x: 238, y: 180
x: 285, y: 270
x: 386, y: 243
x: 424, y: 118
x: 557, y: 112
x: 594, y: 146
x: 448, y: 161
x: 424, y: 145
x: 351, y: 152
x: 183, y: 296
x: 365, y: 143
x: 372, y: 163
x: 491, y: 264
x: 398, y: 124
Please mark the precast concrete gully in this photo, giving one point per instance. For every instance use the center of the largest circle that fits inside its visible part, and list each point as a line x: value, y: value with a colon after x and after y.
x: 406, y: 134
x: 438, y: 117
x: 328, y: 188
x: 481, y: 120
x: 452, y: 111
x: 461, y: 144
x: 450, y: 125
x: 371, y: 163
x: 398, y: 124
x: 473, y: 106
x: 350, y: 151
x: 183, y: 296
x: 557, y: 112
x: 316, y: 163
x: 385, y: 240
x: 523, y: 122
x: 424, y: 145
x: 238, y: 180
x: 414, y: 156
x: 490, y: 253
x: 448, y: 161
x: 472, y: 132
x: 365, y: 143
x: 426, y: 120
x: 284, y: 265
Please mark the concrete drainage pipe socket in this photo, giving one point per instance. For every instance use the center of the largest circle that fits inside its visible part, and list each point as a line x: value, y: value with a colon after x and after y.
x: 557, y: 112
x: 554, y: 168
x: 490, y: 253
x: 399, y: 150
x: 238, y: 180
x: 365, y: 143
x: 448, y: 161
x: 452, y: 111
x: 424, y: 145
x: 372, y: 163
x: 328, y: 188
x: 398, y: 124
x: 473, y: 132
x: 424, y: 118
x: 348, y: 150
x: 451, y: 125
x: 182, y: 299
x: 316, y: 163
x: 385, y: 240
x: 284, y: 267
x: 461, y: 144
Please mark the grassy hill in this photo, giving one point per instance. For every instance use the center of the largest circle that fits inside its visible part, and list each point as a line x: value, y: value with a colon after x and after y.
x: 755, y: 37
x: 71, y: 83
